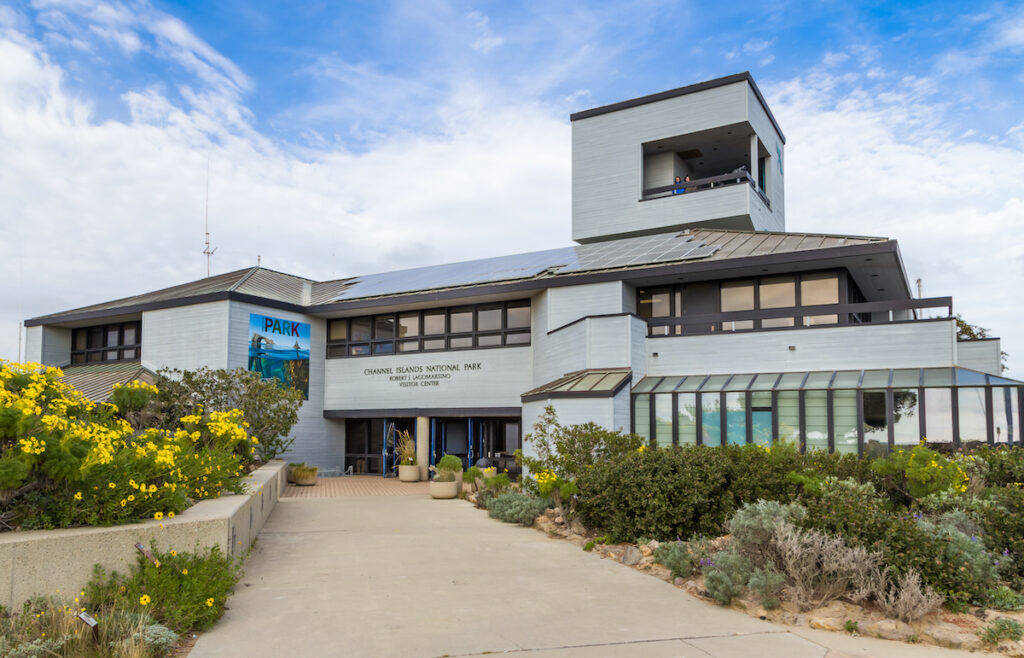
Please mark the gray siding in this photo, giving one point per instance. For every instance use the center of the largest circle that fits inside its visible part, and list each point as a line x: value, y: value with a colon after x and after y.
x: 186, y: 337
x: 318, y: 441
x: 33, y: 344
x: 569, y: 303
x: 504, y: 374
x: 980, y: 355
x: 56, y: 346
x: 607, y: 163
x: 911, y: 345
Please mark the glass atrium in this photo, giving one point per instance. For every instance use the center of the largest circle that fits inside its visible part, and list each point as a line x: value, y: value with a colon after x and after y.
x: 850, y: 411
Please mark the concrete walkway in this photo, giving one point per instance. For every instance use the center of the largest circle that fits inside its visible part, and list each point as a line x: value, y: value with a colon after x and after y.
x: 410, y: 576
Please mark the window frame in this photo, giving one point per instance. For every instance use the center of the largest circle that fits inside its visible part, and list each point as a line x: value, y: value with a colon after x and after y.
x: 100, y: 352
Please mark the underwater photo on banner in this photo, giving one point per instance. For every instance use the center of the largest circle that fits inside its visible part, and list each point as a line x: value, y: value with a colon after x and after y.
x: 280, y: 348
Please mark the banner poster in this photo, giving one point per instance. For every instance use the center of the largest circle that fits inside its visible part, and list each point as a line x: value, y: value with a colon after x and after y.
x: 280, y: 348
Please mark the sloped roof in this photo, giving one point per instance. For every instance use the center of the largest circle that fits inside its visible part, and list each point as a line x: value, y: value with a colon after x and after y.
x: 625, y: 254
x: 96, y: 380
x: 254, y: 281
x: 589, y: 383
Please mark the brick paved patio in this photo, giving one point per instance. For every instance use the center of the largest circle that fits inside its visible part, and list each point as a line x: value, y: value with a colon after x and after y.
x: 357, y: 485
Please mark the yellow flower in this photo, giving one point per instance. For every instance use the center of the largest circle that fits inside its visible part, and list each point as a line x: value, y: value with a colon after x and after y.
x: 78, y: 496
x: 184, y: 572
x: 112, y: 485
x: 144, y: 599
x: 131, y: 498
x: 156, y: 563
x: 170, y: 515
x: 209, y: 602
x: 123, y: 502
x: 173, y: 553
x: 158, y: 516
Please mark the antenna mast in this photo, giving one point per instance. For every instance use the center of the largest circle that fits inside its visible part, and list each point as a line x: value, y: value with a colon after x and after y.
x: 206, y: 218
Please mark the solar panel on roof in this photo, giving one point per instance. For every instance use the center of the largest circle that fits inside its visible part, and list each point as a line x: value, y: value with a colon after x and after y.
x: 627, y: 252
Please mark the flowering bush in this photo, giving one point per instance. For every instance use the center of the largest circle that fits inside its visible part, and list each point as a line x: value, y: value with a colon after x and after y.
x: 184, y: 591
x: 922, y: 471
x: 65, y: 460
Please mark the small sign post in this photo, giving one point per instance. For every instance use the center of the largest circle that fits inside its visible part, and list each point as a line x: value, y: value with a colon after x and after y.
x: 91, y: 623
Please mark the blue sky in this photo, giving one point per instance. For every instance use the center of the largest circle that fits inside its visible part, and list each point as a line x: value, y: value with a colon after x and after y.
x: 345, y: 138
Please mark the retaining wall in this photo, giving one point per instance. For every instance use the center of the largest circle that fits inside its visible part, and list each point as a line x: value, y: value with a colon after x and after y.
x: 45, y: 561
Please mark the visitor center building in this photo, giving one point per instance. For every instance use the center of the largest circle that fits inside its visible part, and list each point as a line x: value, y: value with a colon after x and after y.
x: 684, y: 312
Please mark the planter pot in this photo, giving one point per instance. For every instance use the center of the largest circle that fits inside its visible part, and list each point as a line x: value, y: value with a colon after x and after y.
x: 408, y: 473
x: 444, y: 489
x: 304, y: 477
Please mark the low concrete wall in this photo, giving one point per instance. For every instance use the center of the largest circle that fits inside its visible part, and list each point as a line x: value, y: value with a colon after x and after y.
x: 45, y: 561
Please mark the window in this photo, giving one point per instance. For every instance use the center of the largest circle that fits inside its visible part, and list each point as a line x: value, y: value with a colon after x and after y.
x: 778, y: 292
x: 737, y: 296
x: 655, y: 303
x: 458, y: 328
x: 818, y: 289
x: 111, y: 342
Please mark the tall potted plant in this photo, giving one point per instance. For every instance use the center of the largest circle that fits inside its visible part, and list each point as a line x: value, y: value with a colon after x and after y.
x: 408, y: 471
x: 448, y: 480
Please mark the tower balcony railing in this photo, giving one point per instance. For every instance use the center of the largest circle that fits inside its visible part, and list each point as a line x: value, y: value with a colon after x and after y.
x: 820, y: 315
x: 711, y: 182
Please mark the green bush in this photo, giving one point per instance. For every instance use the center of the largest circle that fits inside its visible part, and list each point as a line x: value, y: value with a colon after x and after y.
x: 184, y: 591
x: 1004, y: 598
x: 1001, y: 466
x: 1002, y: 629
x: 270, y: 409
x: 498, y: 482
x: 449, y: 463
x: 568, y: 451
x: 470, y: 476
x: 767, y: 583
x: 955, y: 565
x: 515, y: 507
x: 728, y: 576
x: 676, y: 557
x: 1000, y: 513
x: 921, y: 472
x: 752, y: 525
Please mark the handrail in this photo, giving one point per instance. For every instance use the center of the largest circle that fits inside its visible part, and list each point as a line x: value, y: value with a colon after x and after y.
x: 804, y: 311
x: 732, y: 178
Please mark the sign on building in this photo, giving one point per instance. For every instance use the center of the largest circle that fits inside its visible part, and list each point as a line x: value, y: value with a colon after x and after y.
x: 280, y: 348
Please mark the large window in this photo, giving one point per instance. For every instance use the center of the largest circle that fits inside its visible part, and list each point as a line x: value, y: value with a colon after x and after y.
x: 456, y: 328
x: 769, y: 293
x: 846, y: 411
x: 109, y: 342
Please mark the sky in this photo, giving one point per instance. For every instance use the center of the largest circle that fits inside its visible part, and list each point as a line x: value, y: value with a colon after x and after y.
x: 336, y: 139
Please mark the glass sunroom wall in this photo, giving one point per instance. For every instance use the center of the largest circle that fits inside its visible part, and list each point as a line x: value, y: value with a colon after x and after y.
x: 973, y: 415
x: 938, y: 408
x: 1003, y: 417
x: 686, y: 404
x: 761, y: 417
x: 642, y: 416
x: 816, y: 418
x: 736, y: 418
x: 711, y: 419
x: 844, y: 420
x: 662, y: 419
x: 906, y: 417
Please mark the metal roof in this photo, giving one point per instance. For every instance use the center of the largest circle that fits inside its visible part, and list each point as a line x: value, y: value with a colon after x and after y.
x: 96, y: 380
x: 277, y: 289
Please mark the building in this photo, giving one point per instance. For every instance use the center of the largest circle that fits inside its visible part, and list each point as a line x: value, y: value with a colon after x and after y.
x: 685, y: 312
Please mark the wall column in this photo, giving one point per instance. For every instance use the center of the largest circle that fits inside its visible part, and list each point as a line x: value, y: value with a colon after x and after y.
x: 423, y: 446
x: 753, y: 160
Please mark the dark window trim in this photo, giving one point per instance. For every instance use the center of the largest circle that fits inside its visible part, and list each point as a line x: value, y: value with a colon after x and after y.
x: 339, y: 349
x: 102, y: 350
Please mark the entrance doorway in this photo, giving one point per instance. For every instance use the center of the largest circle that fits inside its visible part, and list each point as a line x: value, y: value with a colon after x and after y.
x: 473, y: 439
x: 370, y: 443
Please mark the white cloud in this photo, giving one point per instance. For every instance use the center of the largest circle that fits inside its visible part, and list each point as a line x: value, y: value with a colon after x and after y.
x: 93, y: 211
x: 487, y: 40
x: 878, y: 162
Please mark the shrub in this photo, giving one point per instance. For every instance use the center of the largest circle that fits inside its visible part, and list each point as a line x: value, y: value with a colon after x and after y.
x: 514, y: 507
x: 444, y: 476
x: 921, y: 472
x: 851, y: 627
x: 1000, y: 513
x: 270, y: 408
x: 665, y: 494
x: 1001, y: 629
x: 908, y: 599
x: 67, y: 461
x: 676, y: 557
x: 449, y: 463
x: 470, y: 476
x: 767, y: 583
x: 405, y: 446
x: 1004, y: 598
x: 498, y: 482
x: 1001, y: 466
x: 569, y: 451
x: 184, y: 591
x: 753, y: 526
x: 728, y: 576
